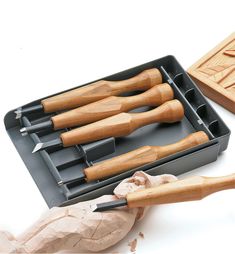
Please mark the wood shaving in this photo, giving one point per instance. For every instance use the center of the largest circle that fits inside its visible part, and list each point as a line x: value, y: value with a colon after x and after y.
x: 141, y: 235
x: 132, y: 245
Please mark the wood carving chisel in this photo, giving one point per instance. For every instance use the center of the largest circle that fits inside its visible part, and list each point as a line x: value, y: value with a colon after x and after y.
x: 104, y: 108
x: 188, y: 189
x: 117, y: 126
x: 137, y: 158
x: 94, y: 92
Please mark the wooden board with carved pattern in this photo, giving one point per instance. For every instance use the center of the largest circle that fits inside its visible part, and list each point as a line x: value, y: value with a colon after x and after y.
x: 215, y: 73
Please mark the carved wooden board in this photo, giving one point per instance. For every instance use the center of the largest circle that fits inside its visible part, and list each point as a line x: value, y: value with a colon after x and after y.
x: 215, y: 73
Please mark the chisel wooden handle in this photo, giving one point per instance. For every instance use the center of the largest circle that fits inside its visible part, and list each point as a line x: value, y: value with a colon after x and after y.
x: 101, y: 89
x: 112, y: 106
x: 123, y: 124
x: 142, y: 156
x: 189, y: 189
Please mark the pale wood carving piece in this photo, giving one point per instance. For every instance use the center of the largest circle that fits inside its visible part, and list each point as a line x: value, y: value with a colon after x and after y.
x: 215, y: 73
x: 77, y: 229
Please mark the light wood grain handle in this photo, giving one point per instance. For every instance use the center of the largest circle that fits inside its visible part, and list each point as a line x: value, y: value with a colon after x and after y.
x: 101, y: 89
x: 169, y: 112
x: 123, y: 124
x: 190, y: 141
x: 141, y: 156
x: 189, y: 189
x: 122, y: 163
x: 112, y: 106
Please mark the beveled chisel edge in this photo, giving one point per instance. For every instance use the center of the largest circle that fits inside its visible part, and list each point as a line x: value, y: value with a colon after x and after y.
x: 46, y: 145
x: 37, y: 147
x: 109, y: 205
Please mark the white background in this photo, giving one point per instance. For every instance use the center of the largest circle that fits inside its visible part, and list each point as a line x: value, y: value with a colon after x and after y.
x: 49, y: 46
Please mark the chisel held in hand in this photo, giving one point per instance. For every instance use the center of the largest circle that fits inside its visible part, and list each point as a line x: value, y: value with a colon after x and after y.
x: 189, y: 189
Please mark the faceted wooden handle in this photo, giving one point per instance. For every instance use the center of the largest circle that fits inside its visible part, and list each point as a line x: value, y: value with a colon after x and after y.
x: 189, y: 189
x: 101, y: 89
x: 112, y: 105
x: 142, y: 156
x: 123, y: 124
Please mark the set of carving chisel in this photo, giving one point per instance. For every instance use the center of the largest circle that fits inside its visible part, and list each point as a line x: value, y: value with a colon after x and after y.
x: 95, y: 112
x: 150, y: 118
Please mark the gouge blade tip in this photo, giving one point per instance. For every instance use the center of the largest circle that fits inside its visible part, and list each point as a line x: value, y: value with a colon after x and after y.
x: 18, y: 113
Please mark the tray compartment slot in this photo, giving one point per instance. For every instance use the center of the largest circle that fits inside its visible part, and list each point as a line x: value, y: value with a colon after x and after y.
x: 99, y: 149
x: 70, y: 173
x: 62, y: 162
x: 46, y: 157
x: 190, y: 112
x: 200, y: 106
x: 179, y: 80
x: 193, y: 98
x: 40, y: 119
x: 211, y: 122
x: 215, y: 127
x: 65, y: 157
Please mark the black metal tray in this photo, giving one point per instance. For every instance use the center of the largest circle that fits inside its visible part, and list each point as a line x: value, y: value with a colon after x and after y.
x: 48, y: 168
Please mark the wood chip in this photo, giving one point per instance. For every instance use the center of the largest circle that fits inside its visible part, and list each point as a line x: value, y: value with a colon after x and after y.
x: 133, y: 244
x: 141, y: 235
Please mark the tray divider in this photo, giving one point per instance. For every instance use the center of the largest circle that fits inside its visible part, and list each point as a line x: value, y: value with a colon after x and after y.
x: 88, y: 153
x: 190, y: 112
x: 54, y: 171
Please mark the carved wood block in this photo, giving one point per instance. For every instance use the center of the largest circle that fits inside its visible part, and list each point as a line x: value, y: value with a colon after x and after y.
x: 215, y: 73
